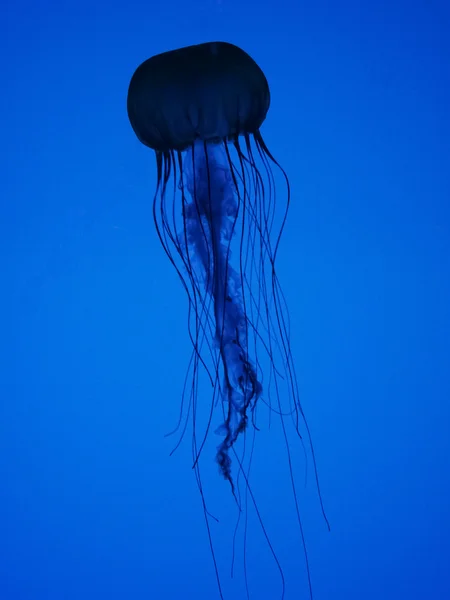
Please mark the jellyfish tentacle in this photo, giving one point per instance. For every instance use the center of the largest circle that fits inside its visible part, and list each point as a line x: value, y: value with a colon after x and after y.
x: 215, y: 203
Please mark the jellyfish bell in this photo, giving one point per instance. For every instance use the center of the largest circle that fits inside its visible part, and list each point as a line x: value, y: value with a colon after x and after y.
x: 210, y: 92
x: 217, y: 215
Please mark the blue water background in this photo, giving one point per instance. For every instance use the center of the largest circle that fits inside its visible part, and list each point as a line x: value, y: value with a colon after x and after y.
x: 94, y: 339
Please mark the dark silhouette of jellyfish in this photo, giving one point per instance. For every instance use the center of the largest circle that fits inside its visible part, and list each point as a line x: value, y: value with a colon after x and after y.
x: 200, y: 109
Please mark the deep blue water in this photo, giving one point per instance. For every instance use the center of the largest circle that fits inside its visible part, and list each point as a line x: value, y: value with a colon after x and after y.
x: 94, y: 337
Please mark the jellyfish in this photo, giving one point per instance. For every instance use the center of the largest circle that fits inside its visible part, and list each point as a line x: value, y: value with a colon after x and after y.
x: 217, y: 214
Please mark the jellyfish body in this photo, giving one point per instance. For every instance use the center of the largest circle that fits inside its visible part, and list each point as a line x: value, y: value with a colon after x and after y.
x: 200, y: 109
